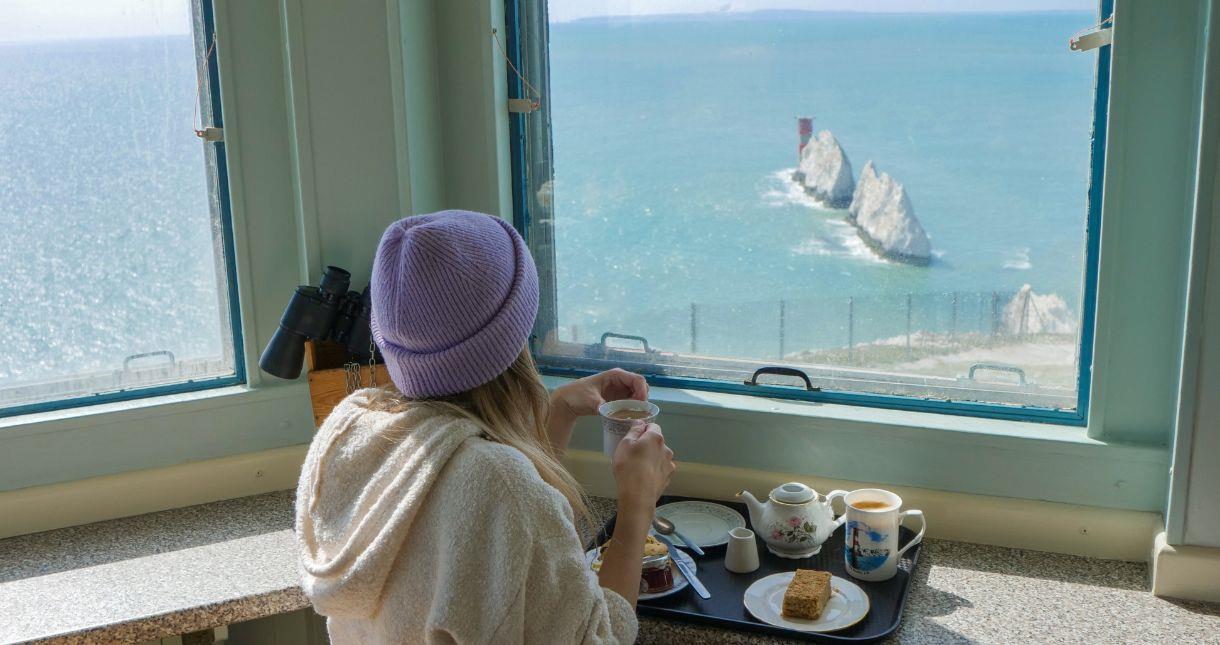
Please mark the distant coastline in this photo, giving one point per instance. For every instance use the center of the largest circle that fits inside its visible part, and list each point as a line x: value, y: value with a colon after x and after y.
x: 796, y: 14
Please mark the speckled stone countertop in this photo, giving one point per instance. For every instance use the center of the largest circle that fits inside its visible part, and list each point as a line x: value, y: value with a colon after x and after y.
x: 150, y: 576
x: 216, y: 564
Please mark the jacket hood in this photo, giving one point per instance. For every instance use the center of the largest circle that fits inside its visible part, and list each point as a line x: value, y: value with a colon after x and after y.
x: 364, y: 480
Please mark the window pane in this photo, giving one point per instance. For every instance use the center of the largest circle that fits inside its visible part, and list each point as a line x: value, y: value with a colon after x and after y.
x: 928, y: 241
x: 110, y: 226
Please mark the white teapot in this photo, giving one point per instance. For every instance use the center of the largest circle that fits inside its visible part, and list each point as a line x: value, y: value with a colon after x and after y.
x: 793, y: 522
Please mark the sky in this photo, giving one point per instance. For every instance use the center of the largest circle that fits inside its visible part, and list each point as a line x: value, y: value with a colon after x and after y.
x: 565, y: 10
x: 34, y: 20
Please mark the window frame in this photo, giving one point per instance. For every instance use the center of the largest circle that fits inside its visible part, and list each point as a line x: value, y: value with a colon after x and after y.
x: 202, y: 12
x: 578, y: 367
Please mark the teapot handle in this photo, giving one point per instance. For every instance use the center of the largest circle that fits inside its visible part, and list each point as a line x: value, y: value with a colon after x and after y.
x: 830, y: 503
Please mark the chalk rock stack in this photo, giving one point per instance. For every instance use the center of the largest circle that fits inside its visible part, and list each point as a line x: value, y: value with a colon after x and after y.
x: 825, y: 171
x: 883, y: 215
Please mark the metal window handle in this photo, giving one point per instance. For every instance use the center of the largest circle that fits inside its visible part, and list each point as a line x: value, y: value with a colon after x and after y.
x: 783, y: 371
x: 997, y: 367
x: 135, y: 357
x: 643, y: 341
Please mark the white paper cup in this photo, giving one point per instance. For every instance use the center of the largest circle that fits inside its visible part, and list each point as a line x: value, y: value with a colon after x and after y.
x: 741, y: 556
x: 613, y: 430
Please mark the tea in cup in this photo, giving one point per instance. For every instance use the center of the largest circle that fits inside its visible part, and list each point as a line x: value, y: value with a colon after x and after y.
x: 618, y: 417
x: 871, y: 540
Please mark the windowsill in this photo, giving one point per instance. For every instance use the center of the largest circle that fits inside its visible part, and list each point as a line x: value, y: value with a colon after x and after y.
x: 879, y: 420
x: 994, y: 457
x: 78, y: 443
x: 142, y: 408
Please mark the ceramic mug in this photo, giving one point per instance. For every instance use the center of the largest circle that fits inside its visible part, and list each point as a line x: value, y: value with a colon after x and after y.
x: 871, y: 548
x: 613, y: 430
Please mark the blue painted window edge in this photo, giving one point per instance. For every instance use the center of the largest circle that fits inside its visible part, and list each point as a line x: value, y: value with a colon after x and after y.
x: 230, y: 254
x: 1077, y: 417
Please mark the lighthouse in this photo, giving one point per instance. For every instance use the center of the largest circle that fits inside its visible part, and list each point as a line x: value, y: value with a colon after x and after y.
x: 804, y: 131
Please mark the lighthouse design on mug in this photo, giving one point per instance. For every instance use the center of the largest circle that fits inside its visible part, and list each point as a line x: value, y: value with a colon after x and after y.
x: 871, y: 541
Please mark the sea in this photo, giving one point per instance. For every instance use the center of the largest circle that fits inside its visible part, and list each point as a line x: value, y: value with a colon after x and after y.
x: 106, y: 231
x: 675, y: 137
x: 675, y: 215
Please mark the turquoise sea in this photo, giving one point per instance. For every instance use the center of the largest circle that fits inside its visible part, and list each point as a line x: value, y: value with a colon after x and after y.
x: 674, y: 138
x: 107, y: 235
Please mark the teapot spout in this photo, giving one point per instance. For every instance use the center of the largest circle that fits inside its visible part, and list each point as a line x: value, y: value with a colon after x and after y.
x: 755, y: 506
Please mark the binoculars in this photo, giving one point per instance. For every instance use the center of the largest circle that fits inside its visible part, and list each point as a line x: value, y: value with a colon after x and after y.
x: 328, y: 311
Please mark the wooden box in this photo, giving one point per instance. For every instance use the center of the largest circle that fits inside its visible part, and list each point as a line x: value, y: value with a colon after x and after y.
x: 328, y: 380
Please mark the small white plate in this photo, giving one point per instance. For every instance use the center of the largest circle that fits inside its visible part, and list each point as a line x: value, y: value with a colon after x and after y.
x: 848, y: 604
x: 705, y: 523
x: 680, y: 582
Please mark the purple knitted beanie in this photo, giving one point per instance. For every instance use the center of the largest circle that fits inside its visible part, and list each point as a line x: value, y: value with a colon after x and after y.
x: 455, y: 295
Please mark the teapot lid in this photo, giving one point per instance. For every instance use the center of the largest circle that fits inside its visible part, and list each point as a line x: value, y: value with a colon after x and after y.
x: 793, y: 493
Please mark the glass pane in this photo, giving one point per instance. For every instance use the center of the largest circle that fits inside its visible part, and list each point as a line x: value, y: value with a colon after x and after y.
x: 894, y: 202
x: 110, y: 224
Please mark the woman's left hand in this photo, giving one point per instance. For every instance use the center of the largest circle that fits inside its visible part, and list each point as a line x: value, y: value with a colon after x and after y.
x: 583, y: 396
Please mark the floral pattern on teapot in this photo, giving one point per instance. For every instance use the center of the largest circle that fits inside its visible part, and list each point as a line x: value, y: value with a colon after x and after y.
x: 794, y: 530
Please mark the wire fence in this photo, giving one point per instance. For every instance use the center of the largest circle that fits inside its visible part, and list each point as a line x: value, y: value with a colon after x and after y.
x: 838, y: 330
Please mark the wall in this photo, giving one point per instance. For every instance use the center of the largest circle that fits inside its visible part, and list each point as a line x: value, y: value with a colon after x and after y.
x: 1193, y: 516
x: 473, y: 97
x: 343, y: 119
x: 1201, y: 458
x: 1146, y: 215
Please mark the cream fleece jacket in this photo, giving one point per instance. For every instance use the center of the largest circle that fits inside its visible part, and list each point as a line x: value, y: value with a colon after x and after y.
x: 413, y: 528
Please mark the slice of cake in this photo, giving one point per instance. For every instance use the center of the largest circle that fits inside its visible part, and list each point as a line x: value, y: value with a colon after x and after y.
x: 807, y: 594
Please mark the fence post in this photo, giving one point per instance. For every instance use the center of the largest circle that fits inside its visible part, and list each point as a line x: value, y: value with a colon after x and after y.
x: 981, y: 310
x: 693, y: 326
x: 908, y: 326
x: 953, y: 319
x: 995, y: 323
x: 851, y: 329
x: 782, y: 315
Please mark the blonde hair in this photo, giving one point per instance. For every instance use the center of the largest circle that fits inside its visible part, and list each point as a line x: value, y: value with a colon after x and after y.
x: 511, y: 409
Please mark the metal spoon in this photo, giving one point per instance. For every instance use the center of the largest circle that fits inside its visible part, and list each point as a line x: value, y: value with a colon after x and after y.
x: 667, y: 528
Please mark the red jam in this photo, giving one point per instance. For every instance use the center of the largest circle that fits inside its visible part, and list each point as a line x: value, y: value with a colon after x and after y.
x: 657, y: 575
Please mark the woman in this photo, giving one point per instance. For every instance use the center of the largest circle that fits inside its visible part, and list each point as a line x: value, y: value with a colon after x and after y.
x: 440, y: 512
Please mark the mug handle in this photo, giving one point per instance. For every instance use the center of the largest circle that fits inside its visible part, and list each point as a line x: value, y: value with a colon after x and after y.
x: 830, y: 502
x: 923, y: 526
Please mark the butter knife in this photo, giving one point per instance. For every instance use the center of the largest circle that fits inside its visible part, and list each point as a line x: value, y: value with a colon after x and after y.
x: 687, y: 572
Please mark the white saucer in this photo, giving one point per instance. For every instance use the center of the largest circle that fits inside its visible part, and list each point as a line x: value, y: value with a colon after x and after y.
x: 848, y: 604
x: 705, y: 523
x: 680, y: 582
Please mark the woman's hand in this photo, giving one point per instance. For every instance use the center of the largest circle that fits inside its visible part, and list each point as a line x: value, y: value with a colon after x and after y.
x: 643, y: 466
x: 583, y: 396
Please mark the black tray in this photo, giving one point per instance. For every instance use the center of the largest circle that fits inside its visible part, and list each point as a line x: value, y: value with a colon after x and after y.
x: 726, y: 609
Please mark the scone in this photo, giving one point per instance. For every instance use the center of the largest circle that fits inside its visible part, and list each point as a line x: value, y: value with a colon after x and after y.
x: 807, y: 594
x: 653, y: 546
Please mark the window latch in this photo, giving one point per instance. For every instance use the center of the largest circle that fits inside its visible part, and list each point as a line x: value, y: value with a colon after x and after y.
x: 1093, y: 37
x: 211, y: 134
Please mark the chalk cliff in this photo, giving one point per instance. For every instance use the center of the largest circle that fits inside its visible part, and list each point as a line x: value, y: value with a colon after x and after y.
x: 1032, y: 313
x: 885, y: 219
x: 825, y: 171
